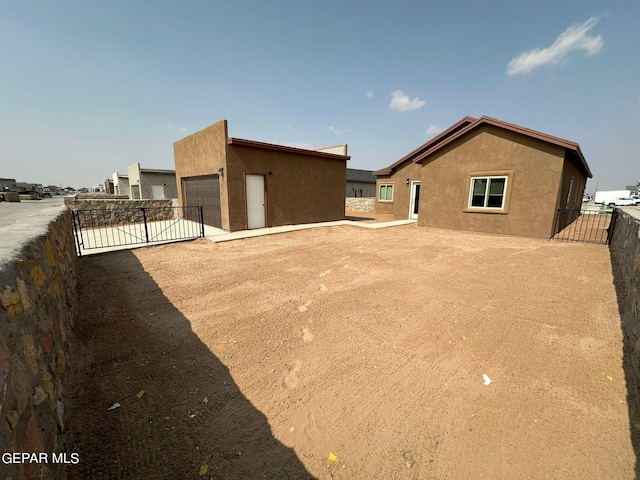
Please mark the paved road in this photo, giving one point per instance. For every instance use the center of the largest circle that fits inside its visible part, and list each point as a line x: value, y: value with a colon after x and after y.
x: 12, y: 212
x: 21, y: 221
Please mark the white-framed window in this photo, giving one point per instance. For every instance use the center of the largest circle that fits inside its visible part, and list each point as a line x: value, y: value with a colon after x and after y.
x: 569, y: 194
x: 487, y: 192
x: 386, y: 192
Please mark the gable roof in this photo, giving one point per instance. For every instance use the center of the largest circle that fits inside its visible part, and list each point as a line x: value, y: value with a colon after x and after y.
x: 570, y: 146
x: 428, y: 145
x: 467, y: 124
x: 360, y: 176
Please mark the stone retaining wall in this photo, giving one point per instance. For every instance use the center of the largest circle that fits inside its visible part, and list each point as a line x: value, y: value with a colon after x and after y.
x: 38, y: 305
x: 625, y: 260
x: 360, y: 204
x: 108, y: 210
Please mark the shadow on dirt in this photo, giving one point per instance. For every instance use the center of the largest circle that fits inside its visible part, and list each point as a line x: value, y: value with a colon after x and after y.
x: 180, y: 408
x: 359, y: 219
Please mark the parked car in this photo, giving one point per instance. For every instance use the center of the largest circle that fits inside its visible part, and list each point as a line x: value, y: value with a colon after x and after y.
x: 622, y: 202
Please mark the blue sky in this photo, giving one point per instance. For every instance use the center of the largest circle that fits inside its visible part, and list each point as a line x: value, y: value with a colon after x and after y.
x: 89, y: 88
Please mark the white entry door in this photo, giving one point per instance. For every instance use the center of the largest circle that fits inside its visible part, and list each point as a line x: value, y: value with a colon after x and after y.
x: 255, y: 201
x: 415, y: 200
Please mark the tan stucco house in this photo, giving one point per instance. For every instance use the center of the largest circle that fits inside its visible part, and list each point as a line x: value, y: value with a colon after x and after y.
x: 486, y: 175
x: 244, y: 184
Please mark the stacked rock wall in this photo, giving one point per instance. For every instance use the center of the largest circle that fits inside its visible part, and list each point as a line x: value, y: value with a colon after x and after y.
x: 625, y: 260
x: 360, y: 204
x: 105, y: 211
x: 38, y: 304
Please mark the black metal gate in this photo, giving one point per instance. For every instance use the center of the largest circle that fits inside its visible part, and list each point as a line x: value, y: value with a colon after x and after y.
x: 119, y: 227
x: 587, y: 226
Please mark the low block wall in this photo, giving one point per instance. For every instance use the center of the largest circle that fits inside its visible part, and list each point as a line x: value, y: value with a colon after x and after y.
x: 360, y: 204
x: 12, y: 196
x: 38, y: 304
x: 625, y: 259
x: 28, y: 196
x: 107, y: 210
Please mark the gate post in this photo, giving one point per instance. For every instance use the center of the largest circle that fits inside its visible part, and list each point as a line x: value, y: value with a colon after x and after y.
x: 612, y: 226
x: 144, y: 217
x: 200, y: 208
x: 77, y: 230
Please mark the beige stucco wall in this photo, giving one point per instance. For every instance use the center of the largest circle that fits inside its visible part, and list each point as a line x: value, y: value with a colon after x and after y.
x: 149, y: 179
x: 203, y: 153
x: 535, y: 171
x: 399, y: 207
x: 300, y: 189
x: 120, y: 184
x: 571, y: 171
x: 133, y: 172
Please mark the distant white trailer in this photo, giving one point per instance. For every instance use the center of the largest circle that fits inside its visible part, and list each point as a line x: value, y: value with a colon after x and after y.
x: 610, y: 196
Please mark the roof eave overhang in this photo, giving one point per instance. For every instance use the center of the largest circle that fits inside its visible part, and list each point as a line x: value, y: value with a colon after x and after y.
x: 241, y: 142
x: 567, y: 144
x: 427, y: 145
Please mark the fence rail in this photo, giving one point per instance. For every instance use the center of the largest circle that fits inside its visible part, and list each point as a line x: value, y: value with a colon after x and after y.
x: 119, y: 227
x: 586, y: 226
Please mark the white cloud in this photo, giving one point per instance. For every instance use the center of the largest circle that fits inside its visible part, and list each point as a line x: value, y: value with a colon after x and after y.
x: 171, y: 126
x: 434, y: 130
x: 369, y: 94
x: 402, y: 102
x: 333, y: 129
x: 576, y: 37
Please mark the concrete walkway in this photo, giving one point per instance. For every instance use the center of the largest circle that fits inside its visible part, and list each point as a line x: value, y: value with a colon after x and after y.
x: 217, y: 235
x: 220, y: 235
x: 18, y: 220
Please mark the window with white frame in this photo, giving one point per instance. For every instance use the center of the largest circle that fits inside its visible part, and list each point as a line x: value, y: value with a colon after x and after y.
x: 487, y: 192
x: 386, y: 193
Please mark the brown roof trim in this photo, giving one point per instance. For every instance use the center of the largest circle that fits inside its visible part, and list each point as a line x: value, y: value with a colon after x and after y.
x: 157, y: 170
x: 425, y: 146
x: 484, y: 120
x: 281, y: 148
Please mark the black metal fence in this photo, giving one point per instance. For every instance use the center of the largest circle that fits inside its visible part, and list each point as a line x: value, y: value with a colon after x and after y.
x: 587, y: 226
x: 118, y: 227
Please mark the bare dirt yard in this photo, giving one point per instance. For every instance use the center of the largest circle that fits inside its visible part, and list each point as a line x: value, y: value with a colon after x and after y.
x: 349, y: 353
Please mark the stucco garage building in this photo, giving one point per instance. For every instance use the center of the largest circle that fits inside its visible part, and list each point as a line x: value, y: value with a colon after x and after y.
x: 151, y: 183
x: 243, y: 184
x: 486, y: 175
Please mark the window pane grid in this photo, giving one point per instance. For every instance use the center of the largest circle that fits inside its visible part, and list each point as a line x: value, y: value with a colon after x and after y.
x: 488, y: 192
x: 386, y: 193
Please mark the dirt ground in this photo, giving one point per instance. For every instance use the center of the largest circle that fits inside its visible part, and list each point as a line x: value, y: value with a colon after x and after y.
x: 261, y: 358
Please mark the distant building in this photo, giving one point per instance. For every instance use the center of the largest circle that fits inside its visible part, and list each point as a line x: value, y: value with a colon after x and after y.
x: 108, y: 186
x: 148, y: 183
x: 121, y: 184
x: 360, y: 183
x: 34, y: 189
x: 8, y: 184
